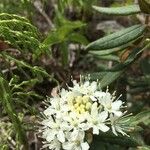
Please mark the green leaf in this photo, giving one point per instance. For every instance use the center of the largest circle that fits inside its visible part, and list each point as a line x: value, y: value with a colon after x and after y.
x: 123, y: 11
x: 97, y: 75
x: 117, y: 39
x: 132, y: 56
x: 105, y: 52
x: 37, y: 71
x: 5, y: 16
x: 64, y: 53
x: 143, y: 117
x: 131, y: 123
x: 109, y: 78
x: 108, y: 57
x: 78, y: 38
x: 60, y: 34
x: 143, y: 148
x: 119, y: 140
x: 9, y: 106
x: 144, y: 6
x: 4, y: 147
x: 117, y: 70
x: 105, y: 78
x: 142, y: 81
x: 19, y: 33
x: 145, y: 65
x: 97, y: 145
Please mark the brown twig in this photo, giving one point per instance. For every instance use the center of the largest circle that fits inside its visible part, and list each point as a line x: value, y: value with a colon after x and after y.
x: 38, y: 6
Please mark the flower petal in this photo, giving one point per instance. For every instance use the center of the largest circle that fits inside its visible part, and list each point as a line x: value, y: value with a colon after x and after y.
x: 68, y: 145
x: 95, y: 130
x: 116, y: 105
x: 103, y: 127
x: 85, y: 146
x: 51, y: 136
x: 117, y: 113
x: 103, y: 116
x: 61, y: 136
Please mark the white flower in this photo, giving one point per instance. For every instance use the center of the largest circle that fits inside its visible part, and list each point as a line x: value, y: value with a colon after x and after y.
x: 80, y: 109
x: 85, y: 88
x: 111, y: 106
x: 53, y: 129
x: 76, y: 141
x: 76, y: 122
x: 54, y: 145
x: 97, y: 120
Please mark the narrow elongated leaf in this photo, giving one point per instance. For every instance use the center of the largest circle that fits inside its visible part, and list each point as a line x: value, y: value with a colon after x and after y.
x: 143, y: 147
x: 123, y: 11
x: 120, y: 140
x: 5, y: 16
x: 117, y: 39
x: 109, y: 78
x: 105, y: 78
x: 64, y: 53
x: 141, y: 117
x: 106, y: 52
x: 9, y: 106
x: 108, y: 57
x: 116, y: 71
x: 97, y: 75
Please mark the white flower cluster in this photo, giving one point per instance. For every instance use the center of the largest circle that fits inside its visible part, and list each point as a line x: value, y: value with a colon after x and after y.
x: 74, y: 112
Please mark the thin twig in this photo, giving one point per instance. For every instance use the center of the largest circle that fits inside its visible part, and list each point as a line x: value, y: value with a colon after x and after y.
x: 38, y: 6
x: 7, y: 70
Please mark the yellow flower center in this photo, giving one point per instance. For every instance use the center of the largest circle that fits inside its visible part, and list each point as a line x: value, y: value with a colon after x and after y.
x: 81, y: 104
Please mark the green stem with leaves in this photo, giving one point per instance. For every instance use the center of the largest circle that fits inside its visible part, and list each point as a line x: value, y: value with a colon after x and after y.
x: 8, y: 105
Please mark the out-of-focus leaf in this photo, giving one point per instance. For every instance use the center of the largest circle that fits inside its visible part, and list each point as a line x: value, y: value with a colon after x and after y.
x: 108, y: 57
x: 5, y: 16
x: 132, y: 56
x: 117, y: 70
x: 105, y: 52
x: 123, y: 11
x: 139, y: 89
x: 139, y: 82
x: 144, y: 6
x: 143, y: 117
x: 117, y: 39
x: 143, y: 148
x: 145, y: 65
x: 60, y: 34
x: 97, y: 145
x: 4, y: 147
x: 64, y: 53
x: 78, y: 38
